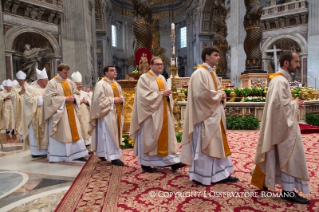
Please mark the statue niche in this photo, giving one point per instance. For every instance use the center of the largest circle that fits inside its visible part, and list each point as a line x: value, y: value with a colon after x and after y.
x: 143, y: 64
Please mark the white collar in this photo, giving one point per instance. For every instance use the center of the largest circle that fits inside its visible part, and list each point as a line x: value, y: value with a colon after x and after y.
x: 287, y: 75
x: 109, y: 79
x: 60, y: 78
x: 156, y: 76
x: 209, y: 68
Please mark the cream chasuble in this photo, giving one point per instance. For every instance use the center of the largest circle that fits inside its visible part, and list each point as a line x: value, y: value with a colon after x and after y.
x: 66, y: 126
x: 148, y: 117
x: 280, y: 148
x: 32, y: 115
x: 18, y: 105
x: 204, y: 106
x: 85, y: 117
x: 7, y: 110
x: 103, y: 108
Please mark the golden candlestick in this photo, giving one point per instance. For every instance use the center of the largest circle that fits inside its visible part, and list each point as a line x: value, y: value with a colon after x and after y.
x: 176, y: 109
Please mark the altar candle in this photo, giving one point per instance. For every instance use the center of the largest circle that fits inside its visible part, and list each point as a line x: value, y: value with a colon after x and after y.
x: 173, y: 26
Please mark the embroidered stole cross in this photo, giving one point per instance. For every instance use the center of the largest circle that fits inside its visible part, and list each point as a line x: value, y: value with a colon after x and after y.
x: 116, y: 93
x: 162, y: 145
x: 225, y: 142
x: 70, y: 109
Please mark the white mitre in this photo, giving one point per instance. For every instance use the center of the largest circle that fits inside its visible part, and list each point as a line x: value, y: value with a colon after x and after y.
x: 76, y: 77
x: 4, y: 83
x: 42, y: 74
x: 15, y: 82
x: 21, y: 75
x: 1, y: 87
x: 9, y: 83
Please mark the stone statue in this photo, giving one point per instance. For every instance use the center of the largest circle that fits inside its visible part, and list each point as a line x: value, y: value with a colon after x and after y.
x: 32, y: 59
x: 143, y: 64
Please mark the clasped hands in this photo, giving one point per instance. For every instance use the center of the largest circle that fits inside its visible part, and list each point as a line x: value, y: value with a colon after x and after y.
x: 118, y: 100
x: 166, y: 92
x: 223, y: 95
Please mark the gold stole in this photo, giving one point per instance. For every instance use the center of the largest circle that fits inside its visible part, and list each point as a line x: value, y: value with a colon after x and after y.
x: 116, y: 93
x: 70, y: 109
x: 225, y: 142
x: 162, y: 146
x: 271, y: 76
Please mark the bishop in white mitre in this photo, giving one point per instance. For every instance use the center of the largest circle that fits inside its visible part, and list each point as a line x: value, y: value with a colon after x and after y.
x: 7, y: 98
x: 84, y: 108
x: 33, y: 133
x: 19, y: 90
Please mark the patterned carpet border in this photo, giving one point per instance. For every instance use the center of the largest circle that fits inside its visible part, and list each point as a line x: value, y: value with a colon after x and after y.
x: 101, y: 187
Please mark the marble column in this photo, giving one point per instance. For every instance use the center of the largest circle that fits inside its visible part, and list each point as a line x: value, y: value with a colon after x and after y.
x: 236, y: 36
x: 313, y: 41
x: 2, y: 49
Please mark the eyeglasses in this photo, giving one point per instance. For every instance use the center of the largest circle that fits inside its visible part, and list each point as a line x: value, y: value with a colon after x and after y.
x: 158, y: 64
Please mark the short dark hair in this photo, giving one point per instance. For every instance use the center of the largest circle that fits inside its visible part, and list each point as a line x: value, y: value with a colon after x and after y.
x: 63, y: 66
x: 285, y: 55
x: 155, y: 58
x: 209, y: 50
x: 106, y: 68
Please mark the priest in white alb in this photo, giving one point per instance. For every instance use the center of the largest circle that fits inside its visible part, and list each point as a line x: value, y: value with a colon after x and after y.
x: 7, y: 111
x: 33, y: 132
x: 204, y: 143
x: 19, y: 91
x: 60, y: 116
x: 280, y: 156
x: 107, y: 118
x: 84, y: 108
x: 153, y: 125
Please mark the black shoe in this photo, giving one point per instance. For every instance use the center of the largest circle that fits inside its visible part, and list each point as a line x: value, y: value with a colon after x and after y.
x: 147, y: 169
x: 39, y: 156
x: 102, y: 159
x: 12, y: 132
x: 294, y: 197
x: 7, y: 132
x: 176, y: 166
x: 117, y: 162
x: 229, y: 179
x: 90, y: 152
x: 265, y: 188
x: 198, y: 183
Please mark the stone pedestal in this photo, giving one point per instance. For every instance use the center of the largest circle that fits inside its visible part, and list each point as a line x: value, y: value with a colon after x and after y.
x: 225, y: 82
x: 128, y: 88
x: 253, y: 80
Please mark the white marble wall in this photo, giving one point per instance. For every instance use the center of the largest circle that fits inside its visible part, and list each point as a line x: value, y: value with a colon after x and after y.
x: 236, y: 37
x: 2, y: 49
x: 313, y: 41
x: 78, y: 39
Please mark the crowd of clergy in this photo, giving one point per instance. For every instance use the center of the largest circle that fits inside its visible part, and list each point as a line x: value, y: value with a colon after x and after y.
x: 56, y: 118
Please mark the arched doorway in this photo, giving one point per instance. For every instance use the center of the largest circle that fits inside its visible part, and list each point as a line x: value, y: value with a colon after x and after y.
x: 35, y: 41
x: 275, y: 45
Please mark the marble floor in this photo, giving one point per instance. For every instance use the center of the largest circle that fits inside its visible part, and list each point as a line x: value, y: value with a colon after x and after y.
x: 32, y: 184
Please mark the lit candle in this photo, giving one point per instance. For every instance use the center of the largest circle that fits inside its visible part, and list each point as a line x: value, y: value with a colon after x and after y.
x: 172, y: 61
x: 173, y: 26
x: 173, y: 50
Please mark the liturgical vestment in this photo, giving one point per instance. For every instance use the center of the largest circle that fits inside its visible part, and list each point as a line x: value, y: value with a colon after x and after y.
x: 107, y: 120
x: 33, y: 132
x: 61, y: 119
x: 280, y: 157
x: 204, y: 142
x: 7, y: 110
x: 85, y: 117
x: 18, y: 107
x: 153, y: 124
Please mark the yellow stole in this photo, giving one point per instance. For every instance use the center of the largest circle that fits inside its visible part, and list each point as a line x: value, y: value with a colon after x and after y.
x: 271, y: 76
x: 116, y: 93
x: 70, y: 109
x: 225, y: 142
x: 162, y: 146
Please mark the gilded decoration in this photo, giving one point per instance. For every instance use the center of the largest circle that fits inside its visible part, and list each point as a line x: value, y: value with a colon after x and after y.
x: 220, y: 33
x: 254, y: 35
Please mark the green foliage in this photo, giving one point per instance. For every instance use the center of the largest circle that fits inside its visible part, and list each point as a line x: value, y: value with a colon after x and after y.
x: 237, y: 91
x: 242, y: 123
x: 227, y: 91
x: 255, y: 99
x: 127, y: 143
x: 184, y: 90
x: 136, y: 71
x: 179, y: 136
x: 312, y: 119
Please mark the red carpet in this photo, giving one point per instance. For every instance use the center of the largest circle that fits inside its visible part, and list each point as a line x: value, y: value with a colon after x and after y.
x: 102, y: 187
x: 308, y: 129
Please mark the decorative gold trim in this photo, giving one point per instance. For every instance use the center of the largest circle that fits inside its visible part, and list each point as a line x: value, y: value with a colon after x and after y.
x: 252, y: 27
